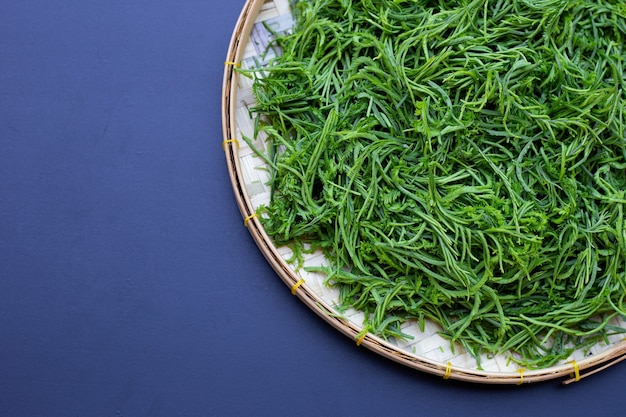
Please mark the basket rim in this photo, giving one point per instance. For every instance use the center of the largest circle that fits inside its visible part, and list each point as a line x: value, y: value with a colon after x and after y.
x: 571, y: 371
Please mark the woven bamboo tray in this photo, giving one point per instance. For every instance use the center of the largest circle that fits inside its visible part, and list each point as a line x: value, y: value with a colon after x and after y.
x: 427, y: 352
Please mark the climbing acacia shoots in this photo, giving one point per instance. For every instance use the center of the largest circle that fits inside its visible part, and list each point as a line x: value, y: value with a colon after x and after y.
x: 456, y: 161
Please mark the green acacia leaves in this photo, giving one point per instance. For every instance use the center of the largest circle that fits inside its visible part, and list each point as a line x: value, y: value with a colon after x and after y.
x: 462, y: 161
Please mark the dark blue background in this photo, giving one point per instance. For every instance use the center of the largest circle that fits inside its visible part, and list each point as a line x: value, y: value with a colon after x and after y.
x: 128, y: 284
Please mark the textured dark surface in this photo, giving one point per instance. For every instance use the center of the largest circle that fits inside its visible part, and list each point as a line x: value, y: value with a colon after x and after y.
x: 128, y: 284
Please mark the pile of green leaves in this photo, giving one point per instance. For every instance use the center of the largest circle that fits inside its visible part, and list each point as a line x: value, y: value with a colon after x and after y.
x: 458, y: 161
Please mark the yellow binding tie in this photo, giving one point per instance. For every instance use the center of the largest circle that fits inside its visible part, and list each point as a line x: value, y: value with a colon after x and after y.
x: 250, y: 217
x: 227, y: 141
x: 448, y: 371
x: 521, y: 376
x: 361, y: 338
x: 297, y: 285
x: 576, y: 371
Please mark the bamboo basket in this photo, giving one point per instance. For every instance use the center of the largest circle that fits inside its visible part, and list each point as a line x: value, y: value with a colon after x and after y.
x: 428, y: 352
